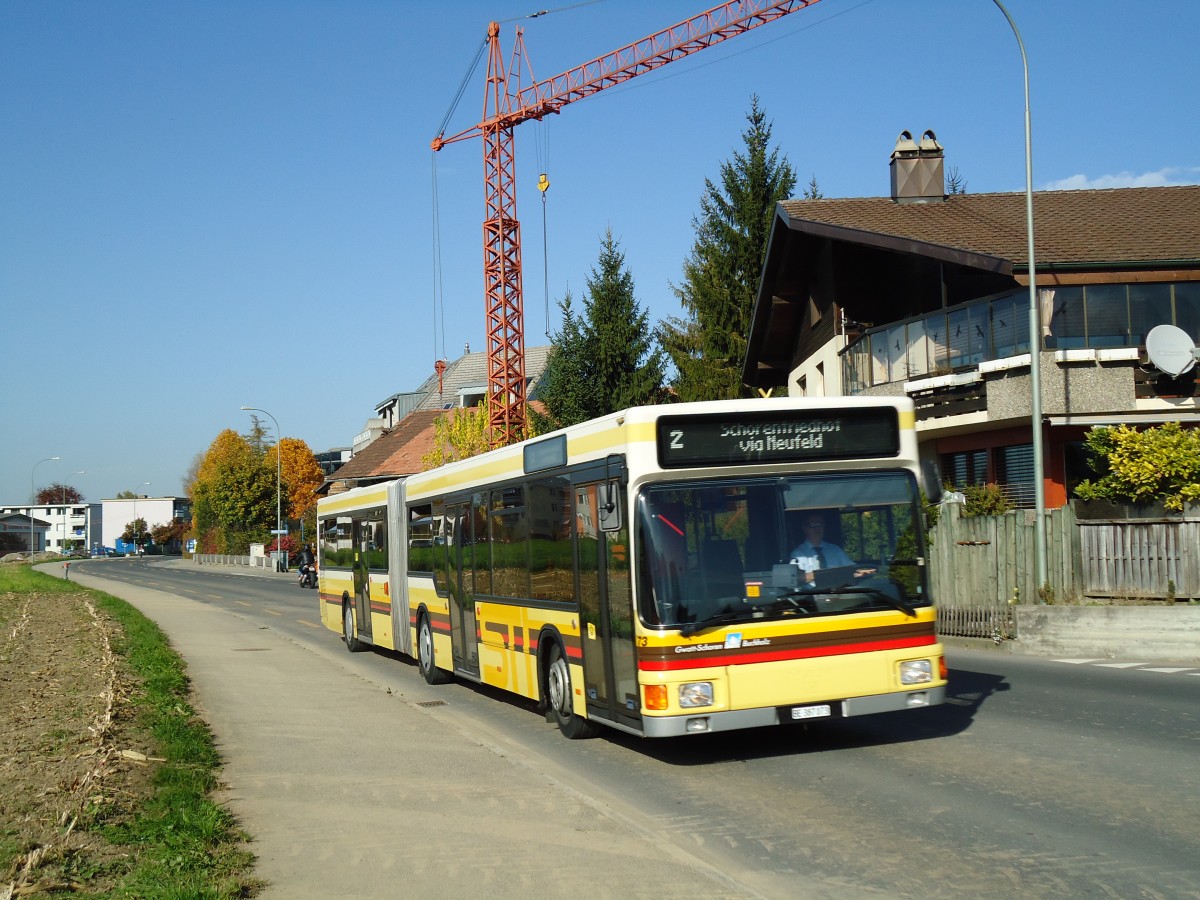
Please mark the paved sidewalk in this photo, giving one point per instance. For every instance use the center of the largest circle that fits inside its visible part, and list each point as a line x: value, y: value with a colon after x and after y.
x: 350, y: 789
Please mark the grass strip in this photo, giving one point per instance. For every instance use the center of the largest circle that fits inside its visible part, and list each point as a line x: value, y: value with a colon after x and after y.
x: 181, y: 843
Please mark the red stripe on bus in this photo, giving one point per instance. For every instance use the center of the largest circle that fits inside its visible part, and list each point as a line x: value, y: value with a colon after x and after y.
x: 741, y: 659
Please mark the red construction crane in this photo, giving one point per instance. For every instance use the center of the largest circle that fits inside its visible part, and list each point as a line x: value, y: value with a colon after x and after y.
x: 505, y: 106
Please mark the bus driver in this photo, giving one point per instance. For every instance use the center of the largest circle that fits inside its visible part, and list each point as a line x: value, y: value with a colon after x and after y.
x: 815, y: 553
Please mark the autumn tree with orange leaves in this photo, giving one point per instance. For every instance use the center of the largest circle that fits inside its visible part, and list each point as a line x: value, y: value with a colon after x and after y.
x: 301, y: 475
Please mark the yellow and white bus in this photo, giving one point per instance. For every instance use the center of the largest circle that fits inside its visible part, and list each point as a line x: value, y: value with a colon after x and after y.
x: 649, y: 571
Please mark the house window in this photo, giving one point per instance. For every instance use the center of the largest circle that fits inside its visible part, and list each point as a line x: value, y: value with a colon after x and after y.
x: 965, y: 468
x: 1068, y: 326
x: 1149, y: 305
x: 1011, y: 469
x: 1187, y: 308
x: 1010, y: 326
x: 1107, y: 308
x: 1072, y: 317
x: 1015, y: 475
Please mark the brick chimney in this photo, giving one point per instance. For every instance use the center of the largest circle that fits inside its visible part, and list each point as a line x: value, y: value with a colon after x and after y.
x: 918, y: 174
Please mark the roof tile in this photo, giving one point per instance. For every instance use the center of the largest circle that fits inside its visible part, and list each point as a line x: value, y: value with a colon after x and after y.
x: 1103, y: 227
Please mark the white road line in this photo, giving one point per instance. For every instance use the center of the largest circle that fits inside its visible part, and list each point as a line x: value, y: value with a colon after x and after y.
x: 1170, y: 670
x: 1077, y: 662
x: 1118, y: 665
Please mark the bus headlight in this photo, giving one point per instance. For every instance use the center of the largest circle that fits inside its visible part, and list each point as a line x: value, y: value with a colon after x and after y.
x: 695, y: 693
x: 916, y: 671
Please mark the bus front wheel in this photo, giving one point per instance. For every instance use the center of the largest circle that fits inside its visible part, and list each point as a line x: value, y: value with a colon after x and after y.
x: 353, y: 644
x: 558, y: 687
x: 429, y: 670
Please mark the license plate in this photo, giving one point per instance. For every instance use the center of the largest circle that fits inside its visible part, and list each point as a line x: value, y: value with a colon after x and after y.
x: 811, y: 712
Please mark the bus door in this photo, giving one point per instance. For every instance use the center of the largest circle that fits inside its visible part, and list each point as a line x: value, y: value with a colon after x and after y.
x: 606, y: 610
x: 360, y: 577
x: 462, y: 588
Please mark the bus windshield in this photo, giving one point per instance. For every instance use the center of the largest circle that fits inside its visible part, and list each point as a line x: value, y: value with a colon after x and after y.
x: 715, y: 552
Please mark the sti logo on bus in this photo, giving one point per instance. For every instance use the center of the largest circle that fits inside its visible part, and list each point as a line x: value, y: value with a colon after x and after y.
x: 778, y: 436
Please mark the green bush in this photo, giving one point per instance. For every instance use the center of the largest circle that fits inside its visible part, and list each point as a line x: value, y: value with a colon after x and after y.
x: 985, y: 500
x: 1161, y: 464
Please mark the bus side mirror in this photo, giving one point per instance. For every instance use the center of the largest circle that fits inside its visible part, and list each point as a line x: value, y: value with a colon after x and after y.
x: 608, y: 498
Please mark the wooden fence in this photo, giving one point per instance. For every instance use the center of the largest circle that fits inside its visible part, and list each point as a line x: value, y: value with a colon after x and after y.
x: 1141, y: 559
x: 980, y: 567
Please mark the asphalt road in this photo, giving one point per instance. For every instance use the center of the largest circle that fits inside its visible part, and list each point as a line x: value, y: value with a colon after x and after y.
x: 1038, y: 778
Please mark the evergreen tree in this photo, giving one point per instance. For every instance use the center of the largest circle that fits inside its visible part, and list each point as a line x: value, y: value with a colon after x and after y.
x: 606, y: 360
x: 721, y: 275
x: 563, y: 388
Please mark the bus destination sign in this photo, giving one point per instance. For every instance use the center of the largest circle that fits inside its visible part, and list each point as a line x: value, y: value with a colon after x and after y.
x: 778, y: 436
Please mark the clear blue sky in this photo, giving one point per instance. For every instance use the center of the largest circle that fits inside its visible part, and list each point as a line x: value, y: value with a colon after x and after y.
x: 211, y: 203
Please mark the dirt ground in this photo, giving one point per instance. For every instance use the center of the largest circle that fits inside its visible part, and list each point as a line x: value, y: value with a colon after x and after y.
x: 71, y: 754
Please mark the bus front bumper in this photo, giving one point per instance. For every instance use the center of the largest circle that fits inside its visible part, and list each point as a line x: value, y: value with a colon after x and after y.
x: 733, y: 720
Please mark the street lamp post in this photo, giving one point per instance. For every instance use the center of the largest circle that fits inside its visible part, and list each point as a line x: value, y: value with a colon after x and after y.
x: 278, y: 484
x: 33, y: 497
x: 1035, y: 337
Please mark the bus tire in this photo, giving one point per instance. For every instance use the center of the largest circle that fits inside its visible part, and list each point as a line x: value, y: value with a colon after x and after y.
x: 429, y: 670
x: 559, y: 697
x: 353, y: 644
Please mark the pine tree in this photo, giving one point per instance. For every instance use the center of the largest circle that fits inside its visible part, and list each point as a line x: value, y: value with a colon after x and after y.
x: 606, y: 360
x: 564, y: 386
x: 721, y: 275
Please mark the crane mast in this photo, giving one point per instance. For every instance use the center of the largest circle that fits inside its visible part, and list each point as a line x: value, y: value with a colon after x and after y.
x: 506, y: 106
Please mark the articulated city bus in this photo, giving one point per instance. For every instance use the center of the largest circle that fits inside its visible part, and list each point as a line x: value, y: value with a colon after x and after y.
x: 664, y: 570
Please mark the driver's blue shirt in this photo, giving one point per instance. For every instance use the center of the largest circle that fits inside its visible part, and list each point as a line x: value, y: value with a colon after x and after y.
x: 805, y: 556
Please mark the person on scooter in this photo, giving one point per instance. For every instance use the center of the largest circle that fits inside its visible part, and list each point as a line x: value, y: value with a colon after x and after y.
x: 308, y: 577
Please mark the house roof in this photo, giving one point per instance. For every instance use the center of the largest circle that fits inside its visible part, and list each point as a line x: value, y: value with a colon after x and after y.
x: 877, y: 258
x: 471, y: 371
x: 13, y: 519
x: 1110, y: 228
x: 394, y: 453
x: 398, y: 451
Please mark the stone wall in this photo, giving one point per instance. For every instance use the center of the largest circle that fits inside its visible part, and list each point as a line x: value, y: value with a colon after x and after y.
x: 1117, y: 632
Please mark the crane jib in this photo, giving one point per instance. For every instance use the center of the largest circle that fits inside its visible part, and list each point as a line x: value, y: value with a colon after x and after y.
x: 506, y: 105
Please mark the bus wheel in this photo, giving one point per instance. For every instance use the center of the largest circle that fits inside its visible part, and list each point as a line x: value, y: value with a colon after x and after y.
x: 558, y: 686
x: 353, y: 644
x: 429, y: 671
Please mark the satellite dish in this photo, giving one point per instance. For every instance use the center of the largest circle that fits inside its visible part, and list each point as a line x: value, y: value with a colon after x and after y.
x: 1170, y: 349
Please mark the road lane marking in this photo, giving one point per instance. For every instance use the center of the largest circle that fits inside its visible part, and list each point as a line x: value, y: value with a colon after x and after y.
x: 1078, y: 662
x: 243, y: 603
x: 308, y: 623
x: 1118, y: 665
x: 1170, y: 670
x: 273, y: 612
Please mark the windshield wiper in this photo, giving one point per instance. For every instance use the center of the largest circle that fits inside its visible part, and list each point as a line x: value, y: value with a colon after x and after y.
x: 887, y: 598
x: 786, y: 603
x: 729, y: 615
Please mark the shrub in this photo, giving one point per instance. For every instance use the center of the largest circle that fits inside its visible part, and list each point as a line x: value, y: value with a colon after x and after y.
x: 985, y: 500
